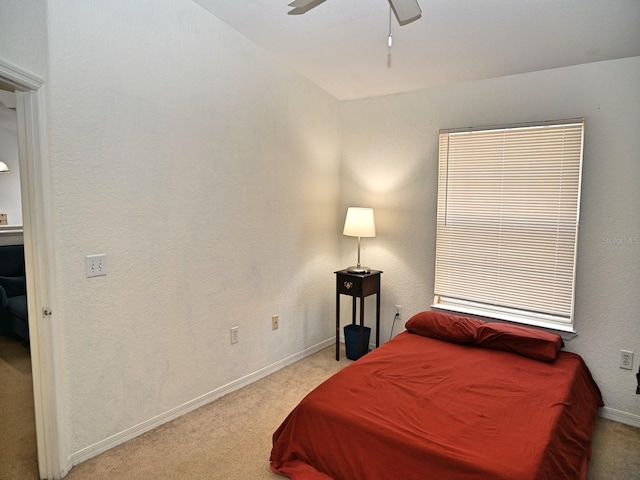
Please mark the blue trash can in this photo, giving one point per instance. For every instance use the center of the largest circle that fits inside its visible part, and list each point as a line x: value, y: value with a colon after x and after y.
x: 352, y: 341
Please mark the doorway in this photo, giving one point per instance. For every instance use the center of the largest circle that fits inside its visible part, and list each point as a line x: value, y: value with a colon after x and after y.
x: 18, y: 437
x: 39, y: 265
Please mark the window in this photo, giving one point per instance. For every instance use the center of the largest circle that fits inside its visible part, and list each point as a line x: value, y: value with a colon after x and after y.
x: 507, y: 222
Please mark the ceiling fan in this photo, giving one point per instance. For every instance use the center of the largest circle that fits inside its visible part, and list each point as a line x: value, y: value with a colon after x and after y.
x: 406, y: 11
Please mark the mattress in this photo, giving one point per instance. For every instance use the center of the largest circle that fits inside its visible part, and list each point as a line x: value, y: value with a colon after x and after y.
x: 419, y: 407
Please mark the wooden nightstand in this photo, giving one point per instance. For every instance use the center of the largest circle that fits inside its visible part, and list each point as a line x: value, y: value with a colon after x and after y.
x: 357, y: 285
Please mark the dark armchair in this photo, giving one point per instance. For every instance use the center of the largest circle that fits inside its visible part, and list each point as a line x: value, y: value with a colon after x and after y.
x: 13, y: 293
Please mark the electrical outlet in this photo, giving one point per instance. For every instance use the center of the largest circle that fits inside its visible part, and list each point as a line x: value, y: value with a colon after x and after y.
x: 626, y: 359
x: 398, y: 312
x: 234, y: 334
x: 96, y: 265
x: 275, y: 320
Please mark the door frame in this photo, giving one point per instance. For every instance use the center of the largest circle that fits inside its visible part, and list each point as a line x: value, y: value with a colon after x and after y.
x: 44, y: 331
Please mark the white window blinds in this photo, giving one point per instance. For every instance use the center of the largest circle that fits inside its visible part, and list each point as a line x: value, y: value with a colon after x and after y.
x: 507, y: 222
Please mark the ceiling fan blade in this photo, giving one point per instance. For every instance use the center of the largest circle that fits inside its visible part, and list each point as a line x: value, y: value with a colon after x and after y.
x: 303, y: 6
x: 406, y: 10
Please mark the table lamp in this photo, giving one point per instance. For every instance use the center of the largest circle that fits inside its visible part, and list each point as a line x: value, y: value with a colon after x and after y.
x: 359, y: 223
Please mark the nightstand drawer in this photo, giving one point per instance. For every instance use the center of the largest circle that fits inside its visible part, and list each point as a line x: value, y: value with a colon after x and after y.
x: 349, y: 286
x: 358, y: 285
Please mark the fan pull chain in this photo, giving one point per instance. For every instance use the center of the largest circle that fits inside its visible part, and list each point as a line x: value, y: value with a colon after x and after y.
x: 389, y: 40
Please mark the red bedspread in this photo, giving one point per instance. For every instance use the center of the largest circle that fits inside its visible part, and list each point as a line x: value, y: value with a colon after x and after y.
x: 420, y: 408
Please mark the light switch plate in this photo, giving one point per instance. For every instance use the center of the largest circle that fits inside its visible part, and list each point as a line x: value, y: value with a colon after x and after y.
x: 96, y: 265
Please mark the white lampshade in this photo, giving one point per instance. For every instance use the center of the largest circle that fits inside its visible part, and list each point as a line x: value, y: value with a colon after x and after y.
x: 3, y: 167
x: 359, y: 222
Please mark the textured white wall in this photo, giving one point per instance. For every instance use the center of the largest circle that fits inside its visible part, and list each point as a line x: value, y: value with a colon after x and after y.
x: 390, y: 153
x: 208, y: 174
x: 23, y: 34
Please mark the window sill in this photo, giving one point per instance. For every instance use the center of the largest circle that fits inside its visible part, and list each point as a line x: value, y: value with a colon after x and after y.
x: 441, y: 303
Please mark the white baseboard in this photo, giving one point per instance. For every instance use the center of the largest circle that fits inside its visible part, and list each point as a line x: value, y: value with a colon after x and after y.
x: 130, y: 433
x: 620, y: 416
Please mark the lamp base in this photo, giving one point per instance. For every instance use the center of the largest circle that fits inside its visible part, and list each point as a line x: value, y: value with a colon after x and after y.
x: 358, y: 269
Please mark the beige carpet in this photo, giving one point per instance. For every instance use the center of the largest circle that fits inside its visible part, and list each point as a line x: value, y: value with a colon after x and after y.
x: 18, y: 459
x: 231, y: 438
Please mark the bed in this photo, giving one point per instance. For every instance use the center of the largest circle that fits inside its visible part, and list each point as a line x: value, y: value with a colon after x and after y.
x: 451, y: 398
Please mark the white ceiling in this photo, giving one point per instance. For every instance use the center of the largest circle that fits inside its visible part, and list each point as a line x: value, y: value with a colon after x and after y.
x: 341, y: 45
